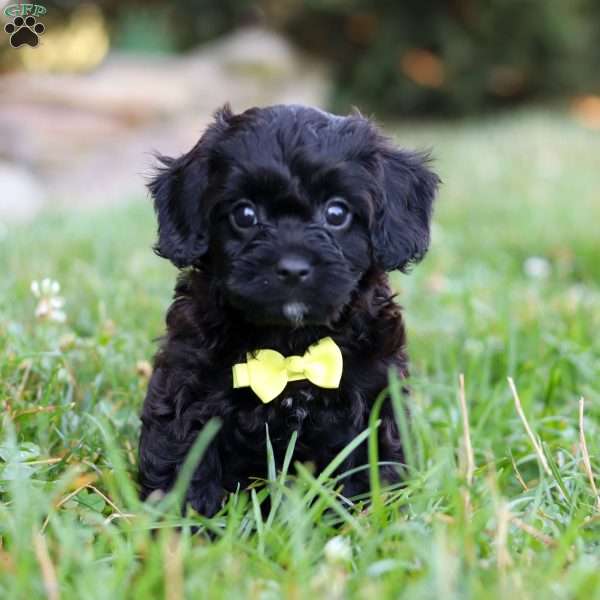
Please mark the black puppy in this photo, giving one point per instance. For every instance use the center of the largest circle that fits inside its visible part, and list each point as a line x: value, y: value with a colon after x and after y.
x: 286, y: 220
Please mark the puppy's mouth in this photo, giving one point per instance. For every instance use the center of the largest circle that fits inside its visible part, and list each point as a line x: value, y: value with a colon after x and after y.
x: 291, y: 312
x: 295, y: 312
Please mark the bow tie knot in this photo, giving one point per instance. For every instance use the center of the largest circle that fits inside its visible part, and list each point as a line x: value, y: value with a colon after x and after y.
x: 295, y: 364
x: 267, y: 372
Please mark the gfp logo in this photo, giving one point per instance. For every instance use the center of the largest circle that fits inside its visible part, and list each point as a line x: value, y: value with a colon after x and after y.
x: 24, y: 28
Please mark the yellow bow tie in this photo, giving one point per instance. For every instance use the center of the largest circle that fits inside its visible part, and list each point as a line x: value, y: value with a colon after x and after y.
x: 267, y: 372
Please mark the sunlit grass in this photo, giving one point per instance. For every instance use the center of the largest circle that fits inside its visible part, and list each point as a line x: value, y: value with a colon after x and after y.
x: 515, y: 188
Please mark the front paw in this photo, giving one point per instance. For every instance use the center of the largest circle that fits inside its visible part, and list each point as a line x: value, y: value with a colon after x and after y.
x: 206, y: 500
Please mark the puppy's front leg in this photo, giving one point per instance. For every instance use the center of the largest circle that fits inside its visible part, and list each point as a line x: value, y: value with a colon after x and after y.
x: 171, y: 421
x: 162, y: 454
x: 205, y: 492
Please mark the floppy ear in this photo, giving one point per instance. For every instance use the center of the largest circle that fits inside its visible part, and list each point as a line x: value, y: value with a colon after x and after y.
x: 401, y: 228
x: 178, y: 191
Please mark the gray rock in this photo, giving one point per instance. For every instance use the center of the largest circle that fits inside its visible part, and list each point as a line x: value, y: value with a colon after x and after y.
x: 21, y: 194
x: 88, y: 138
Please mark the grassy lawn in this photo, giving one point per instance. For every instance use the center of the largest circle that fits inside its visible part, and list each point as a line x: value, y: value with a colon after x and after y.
x: 511, y: 287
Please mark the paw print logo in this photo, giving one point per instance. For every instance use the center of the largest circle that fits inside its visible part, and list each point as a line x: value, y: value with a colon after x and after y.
x: 24, y: 31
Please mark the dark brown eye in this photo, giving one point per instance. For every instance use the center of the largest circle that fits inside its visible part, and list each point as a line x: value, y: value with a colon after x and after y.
x: 244, y: 216
x: 337, y: 213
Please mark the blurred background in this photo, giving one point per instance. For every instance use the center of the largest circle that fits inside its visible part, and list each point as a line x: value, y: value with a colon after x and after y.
x: 112, y: 81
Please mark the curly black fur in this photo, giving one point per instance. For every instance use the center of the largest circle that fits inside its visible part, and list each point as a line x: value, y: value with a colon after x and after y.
x: 287, y: 161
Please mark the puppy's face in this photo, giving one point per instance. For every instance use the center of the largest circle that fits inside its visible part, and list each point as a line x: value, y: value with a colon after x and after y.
x: 288, y: 207
x: 289, y: 229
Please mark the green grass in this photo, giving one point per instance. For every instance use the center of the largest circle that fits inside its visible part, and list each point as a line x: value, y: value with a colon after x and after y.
x: 516, y: 187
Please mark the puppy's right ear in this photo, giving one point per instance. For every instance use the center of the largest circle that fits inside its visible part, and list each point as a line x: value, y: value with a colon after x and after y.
x: 178, y: 191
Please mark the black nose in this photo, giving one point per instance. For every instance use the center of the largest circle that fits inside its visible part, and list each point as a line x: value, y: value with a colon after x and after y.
x: 293, y: 269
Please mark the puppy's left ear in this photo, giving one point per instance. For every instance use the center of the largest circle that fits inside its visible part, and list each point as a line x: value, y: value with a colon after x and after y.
x: 178, y: 191
x: 402, y: 218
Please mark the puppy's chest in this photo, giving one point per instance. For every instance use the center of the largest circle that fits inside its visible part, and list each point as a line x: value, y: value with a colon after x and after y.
x: 301, y: 407
x: 297, y: 403
x: 300, y: 403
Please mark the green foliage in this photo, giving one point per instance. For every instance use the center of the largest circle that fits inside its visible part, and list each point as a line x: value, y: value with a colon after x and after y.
x: 409, y: 57
x: 172, y: 26
x: 514, y: 189
x: 435, y: 57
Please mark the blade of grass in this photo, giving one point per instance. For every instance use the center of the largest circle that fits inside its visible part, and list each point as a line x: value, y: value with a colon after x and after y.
x: 271, y: 466
x: 328, y: 498
x: 400, y: 414
x: 557, y: 476
x: 374, y: 478
x: 337, y: 461
x: 469, y: 456
x: 260, y: 530
x: 47, y: 568
x: 585, y: 454
x: 124, y: 485
x: 534, y: 441
x: 277, y: 495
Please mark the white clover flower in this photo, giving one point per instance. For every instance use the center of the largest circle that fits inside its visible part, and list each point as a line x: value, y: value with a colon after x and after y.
x: 537, y: 267
x: 50, y: 304
x: 338, y: 550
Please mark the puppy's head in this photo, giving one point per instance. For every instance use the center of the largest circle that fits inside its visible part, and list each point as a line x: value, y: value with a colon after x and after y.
x: 287, y: 207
